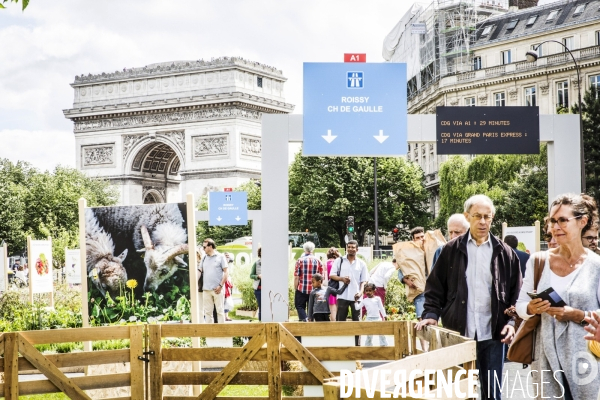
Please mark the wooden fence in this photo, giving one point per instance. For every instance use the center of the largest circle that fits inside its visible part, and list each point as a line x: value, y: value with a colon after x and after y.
x: 269, y: 342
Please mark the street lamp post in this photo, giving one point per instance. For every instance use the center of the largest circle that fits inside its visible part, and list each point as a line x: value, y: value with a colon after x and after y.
x: 532, y: 55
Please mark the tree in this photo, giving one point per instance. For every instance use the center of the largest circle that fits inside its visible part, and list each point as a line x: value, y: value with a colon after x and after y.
x: 220, y: 234
x: 324, y: 191
x: 42, y: 204
x: 24, y: 3
x: 517, y: 184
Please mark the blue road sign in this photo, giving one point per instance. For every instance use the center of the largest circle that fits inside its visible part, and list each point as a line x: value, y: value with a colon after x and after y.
x: 227, y: 208
x: 354, y: 109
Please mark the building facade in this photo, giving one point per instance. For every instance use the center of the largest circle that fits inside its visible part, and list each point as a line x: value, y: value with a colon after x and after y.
x: 498, y: 73
x: 167, y: 129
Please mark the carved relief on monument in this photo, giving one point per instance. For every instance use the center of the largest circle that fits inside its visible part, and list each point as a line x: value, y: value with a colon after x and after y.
x: 177, y: 136
x: 159, y: 189
x: 544, y: 87
x: 98, y: 155
x: 512, y: 93
x: 167, y: 118
x: 129, y: 142
x: 210, y: 146
x: 250, y: 145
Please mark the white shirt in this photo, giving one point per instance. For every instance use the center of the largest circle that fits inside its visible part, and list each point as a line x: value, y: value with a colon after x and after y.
x: 356, y: 271
x: 479, y: 282
x: 372, y: 305
x: 383, y: 273
x: 558, y: 283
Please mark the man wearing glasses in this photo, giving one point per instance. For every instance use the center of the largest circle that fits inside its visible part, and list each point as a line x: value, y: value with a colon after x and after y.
x: 589, y: 239
x: 214, y: 269
x: 476, y: 278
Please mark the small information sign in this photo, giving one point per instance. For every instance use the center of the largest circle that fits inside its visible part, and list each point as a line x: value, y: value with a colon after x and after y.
x: 227, y: 208
x: 488, y: 130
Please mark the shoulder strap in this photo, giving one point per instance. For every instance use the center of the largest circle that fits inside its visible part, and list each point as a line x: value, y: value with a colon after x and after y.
x: 539, y: 262
x: 340, y: 266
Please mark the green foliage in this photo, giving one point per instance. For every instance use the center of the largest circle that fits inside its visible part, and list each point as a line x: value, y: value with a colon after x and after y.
x: 397, y: 305
x: 324, y: 191
x: 42, y: 204
x: 243, y: 283
x: 517, y: 184
x: 222, y: 233
x: 24, y: 3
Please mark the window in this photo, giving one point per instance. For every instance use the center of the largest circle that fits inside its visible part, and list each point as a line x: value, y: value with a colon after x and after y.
x: 538, y: 48
x: 597, y: 38
x: 505, y: 57
x: 568, y: 42
x: 511, y: 25
x: 499, y: 99
x: 259, y: 81
x: 552, y: 16
x: 470, y: 101
x: 487, y: 30
x: 595, y: 83
x: 562, y: 94
x: 531, y: 20
x: 530, y: 99
x: 476, y: 63
x: 579, y: 9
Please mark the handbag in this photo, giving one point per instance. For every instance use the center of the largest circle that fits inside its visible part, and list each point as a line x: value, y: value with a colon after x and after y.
x: 336, y: 284
x: 522, y: 348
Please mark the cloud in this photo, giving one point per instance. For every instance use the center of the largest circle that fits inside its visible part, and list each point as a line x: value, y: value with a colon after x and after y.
x: 43, y: 149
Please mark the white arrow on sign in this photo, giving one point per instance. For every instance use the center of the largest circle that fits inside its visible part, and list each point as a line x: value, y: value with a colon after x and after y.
x: 219, y: 218
x: 380, y: 138
x: 330, y: 138
x: 237, y: 218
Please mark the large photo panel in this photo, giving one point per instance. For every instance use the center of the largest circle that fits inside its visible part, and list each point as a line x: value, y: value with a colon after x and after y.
x: 137, y: 263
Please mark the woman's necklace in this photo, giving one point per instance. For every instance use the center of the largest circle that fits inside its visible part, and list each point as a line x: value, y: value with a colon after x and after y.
x: 576, y: 261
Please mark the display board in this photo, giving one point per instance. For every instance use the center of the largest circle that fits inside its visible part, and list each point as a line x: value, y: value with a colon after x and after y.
x: 526, y: 235
x: 4, y: 267
x: 73, y: 266
x: 487, y: 130
x: 40, y: 266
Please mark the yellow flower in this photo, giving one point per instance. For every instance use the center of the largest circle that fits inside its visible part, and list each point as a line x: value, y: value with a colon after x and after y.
x: 132, y: 284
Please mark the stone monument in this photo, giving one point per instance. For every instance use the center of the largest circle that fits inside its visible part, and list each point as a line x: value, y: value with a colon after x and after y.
x: 166, y: 129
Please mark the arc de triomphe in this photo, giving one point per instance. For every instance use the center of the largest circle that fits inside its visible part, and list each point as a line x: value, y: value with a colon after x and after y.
x: 167, y: 129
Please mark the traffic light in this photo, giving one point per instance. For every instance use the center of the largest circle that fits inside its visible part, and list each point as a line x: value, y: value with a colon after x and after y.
x: 350, y: 225
x: 396, y: 234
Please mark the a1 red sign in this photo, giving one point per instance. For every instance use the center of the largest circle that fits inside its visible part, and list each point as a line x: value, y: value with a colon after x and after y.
x: 355, y: 57
x: 228, y: 190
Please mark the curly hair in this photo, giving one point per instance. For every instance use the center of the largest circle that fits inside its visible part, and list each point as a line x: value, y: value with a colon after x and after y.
x: 582, y: 204
x: 332, y: 253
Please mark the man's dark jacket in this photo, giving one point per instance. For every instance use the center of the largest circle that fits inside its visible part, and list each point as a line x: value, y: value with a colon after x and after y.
x: 523, y: 258
x: 446, y: 291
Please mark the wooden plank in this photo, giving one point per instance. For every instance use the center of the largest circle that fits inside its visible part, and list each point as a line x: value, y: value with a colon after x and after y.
x: 84, y: 382
x: 347, y: 328
x: 303, y: 355
x: 11, y: 374
x: 76, y: 334
x: 331, y: 391
x: 136, y: 366
x: 413, y: 336
x: 78, y: 359
x: 211, y: 330
x: 233, y: 367
x: 343, y: 353
x: 66, y: 385
x: 155, y: 345
x: 241, y: 378
x: 401, y: 338
x: 243, y: 398
x: 274, y: 360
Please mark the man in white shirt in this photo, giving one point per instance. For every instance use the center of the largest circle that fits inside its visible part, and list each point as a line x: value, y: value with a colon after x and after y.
x: 381, y: 275
x: 214, y: 269
x: 353, y: 272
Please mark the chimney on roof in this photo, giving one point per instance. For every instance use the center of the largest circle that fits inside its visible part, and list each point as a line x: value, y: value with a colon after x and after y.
x: 520, y: 4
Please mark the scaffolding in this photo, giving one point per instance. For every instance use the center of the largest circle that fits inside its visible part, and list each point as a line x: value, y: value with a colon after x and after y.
x: 445, y: 47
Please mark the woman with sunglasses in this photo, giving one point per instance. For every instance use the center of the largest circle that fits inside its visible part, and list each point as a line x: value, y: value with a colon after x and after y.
x: 573, y: 272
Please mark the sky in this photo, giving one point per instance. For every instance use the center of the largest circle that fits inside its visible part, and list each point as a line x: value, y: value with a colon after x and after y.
x: 44, y: 47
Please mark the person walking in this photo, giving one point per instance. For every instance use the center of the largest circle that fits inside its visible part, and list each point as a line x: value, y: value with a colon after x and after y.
x: 476, y: 278
x: 380, y: 277
x: 416, y: 277
x: 332, y: 254
x: 306, y: 266
x: 374, y: 311
x: 353, y: 272
x: 572, y: 272
x: 457, y: 226
x: 214, y: 272
x: 256, y: 275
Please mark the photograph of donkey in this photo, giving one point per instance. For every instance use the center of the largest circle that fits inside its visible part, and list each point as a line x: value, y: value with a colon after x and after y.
x: 149, y: 240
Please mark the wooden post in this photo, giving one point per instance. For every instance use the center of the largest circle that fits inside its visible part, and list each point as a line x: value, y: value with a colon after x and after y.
x: 6, y: 266
x: 136, y: 366
x: 331, y: 390
x: 11, y: 366
x: 155, y: 345
x: 85, y: 314
x: 52, y: 291
x: 401, y: 338
x: 274, y: 360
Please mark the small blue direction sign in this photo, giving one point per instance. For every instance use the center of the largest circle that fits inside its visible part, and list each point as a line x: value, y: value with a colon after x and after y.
x: 354, y: 109
x: 227, y: 208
